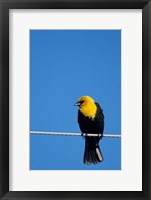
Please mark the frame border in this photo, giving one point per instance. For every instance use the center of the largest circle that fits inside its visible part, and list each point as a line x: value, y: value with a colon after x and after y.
x: 5, y: 5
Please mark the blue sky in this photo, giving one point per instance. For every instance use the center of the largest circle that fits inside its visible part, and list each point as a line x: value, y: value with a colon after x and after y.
x: 65, y: 65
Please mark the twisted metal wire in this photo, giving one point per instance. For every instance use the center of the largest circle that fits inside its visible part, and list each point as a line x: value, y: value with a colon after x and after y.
x: 74, y: 134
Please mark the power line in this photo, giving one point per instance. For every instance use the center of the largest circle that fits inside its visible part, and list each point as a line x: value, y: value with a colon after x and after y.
x: 74, y: 134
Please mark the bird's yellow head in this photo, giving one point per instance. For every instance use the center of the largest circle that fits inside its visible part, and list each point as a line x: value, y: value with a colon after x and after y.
x: 87, y: 106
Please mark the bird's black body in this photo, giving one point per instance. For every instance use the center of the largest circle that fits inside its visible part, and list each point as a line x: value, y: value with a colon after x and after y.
x: 95, y: 125
x: 89, y: 125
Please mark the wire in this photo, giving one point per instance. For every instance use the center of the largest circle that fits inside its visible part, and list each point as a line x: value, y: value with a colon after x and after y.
x: 74, y: 134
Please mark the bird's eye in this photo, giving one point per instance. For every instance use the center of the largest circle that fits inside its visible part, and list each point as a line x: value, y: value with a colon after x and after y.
x: 81, y: 102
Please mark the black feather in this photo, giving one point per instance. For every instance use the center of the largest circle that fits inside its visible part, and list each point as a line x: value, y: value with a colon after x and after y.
x: 92, y: 153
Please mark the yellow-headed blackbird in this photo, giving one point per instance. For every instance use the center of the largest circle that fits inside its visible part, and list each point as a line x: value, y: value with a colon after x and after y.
x: 91, y: 120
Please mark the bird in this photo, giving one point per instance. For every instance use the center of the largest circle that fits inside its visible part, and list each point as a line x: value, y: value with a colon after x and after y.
x: 91, y: 120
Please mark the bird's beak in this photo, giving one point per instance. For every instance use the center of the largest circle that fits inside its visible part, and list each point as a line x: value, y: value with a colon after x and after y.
x: 77, y: 104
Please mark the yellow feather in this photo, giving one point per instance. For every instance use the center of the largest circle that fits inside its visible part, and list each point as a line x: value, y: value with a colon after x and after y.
x: 88, y: 107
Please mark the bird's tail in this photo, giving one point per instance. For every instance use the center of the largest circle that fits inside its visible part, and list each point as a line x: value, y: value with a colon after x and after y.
x: 92, y: 154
